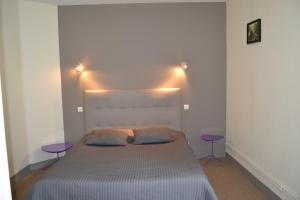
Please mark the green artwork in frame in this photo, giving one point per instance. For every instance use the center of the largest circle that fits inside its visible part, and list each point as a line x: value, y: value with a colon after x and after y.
x: 254, y: 31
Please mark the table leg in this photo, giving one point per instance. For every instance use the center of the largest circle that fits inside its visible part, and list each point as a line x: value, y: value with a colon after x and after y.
x: 211, y: 156
x: 54, y: 161
x: 212, y: 149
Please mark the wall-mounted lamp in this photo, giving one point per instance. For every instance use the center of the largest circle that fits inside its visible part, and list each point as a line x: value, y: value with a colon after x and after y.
x: 184, y: 65
x: 79, y: 68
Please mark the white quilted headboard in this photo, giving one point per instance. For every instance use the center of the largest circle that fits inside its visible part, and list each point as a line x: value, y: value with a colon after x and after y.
x: 132, y: 108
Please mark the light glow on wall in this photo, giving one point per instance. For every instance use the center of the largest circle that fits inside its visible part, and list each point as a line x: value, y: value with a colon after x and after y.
x: 89, y: 82
x: 96, y: 91
x: 179, y: 72
x: 167, y: 89
x: 156, y: 89
x: 175, y: 78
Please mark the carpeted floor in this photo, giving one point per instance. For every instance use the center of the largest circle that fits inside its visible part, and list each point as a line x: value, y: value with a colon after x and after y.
x: 228, y: 178
x: 232, y: 182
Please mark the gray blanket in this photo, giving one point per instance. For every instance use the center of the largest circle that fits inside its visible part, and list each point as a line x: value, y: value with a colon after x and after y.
x: 167, y: 171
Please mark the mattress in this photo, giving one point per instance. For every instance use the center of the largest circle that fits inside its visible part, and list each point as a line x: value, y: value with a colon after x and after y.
x: 167, y: 171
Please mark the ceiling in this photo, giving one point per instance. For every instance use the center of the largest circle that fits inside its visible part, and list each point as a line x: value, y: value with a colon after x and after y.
x: 86, y: 2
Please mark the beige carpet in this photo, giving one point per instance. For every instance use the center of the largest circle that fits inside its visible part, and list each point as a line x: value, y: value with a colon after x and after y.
x: 228, y: 179
x: 231, y: 182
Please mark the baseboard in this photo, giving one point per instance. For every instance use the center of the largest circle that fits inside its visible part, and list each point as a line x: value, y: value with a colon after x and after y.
x: 274, y: 185
x: 42, y: 164
x: 20, y: 175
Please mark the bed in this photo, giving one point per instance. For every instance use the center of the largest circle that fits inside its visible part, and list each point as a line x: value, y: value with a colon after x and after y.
x: 167, y: 171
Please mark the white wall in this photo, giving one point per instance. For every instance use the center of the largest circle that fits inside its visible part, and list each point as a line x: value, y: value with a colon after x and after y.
x: 41, y: 77
x: 13, y: 87
x: 5, y: 192
x: 32, y: 81
x: 263, y: 98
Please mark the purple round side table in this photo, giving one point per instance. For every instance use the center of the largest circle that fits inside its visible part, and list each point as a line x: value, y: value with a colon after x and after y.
x: 57, y: 148
x: 211, y: 138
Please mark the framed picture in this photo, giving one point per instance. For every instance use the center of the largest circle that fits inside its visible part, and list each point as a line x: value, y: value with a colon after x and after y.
x: 254, y: 31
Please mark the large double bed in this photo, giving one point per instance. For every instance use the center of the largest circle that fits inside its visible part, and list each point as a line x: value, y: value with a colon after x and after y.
x: 166, y: 171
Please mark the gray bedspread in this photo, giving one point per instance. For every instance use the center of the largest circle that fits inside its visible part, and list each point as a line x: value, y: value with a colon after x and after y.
x: 167, y: 171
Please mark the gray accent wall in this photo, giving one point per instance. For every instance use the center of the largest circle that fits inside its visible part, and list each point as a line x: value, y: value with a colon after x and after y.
x: 139, y: 46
